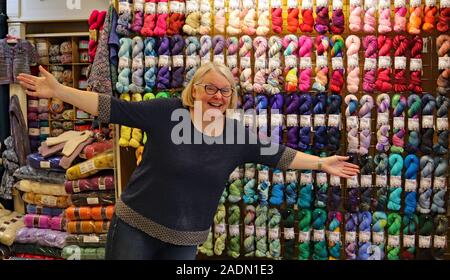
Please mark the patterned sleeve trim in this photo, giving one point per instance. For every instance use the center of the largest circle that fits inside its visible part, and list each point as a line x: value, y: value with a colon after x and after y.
x: 104, y: 108
x: 286, y: 158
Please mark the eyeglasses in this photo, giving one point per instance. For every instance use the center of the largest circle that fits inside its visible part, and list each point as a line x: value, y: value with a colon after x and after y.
x: 212, y: 89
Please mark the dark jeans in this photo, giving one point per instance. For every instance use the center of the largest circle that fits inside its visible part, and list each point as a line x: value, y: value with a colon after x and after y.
x: 125, y: 242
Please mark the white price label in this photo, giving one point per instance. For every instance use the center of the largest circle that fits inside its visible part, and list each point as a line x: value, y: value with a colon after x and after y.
x: 274, y: 233
x: 43, y: 102
x: 33, y: 103
x: 219, y: 4
x: 335, y: 180
x: 44, y: 130
x: 151, y: 61
x: 322, y: 3
x: 440, y: 183
x: 334, y: 236
x: 399, y: 122
x: 249, y: 230
x: 364, y: 236
x: 162, y: 8
x: 442, y: 123
x: 352, y: 61
x: 304, y: 236
x: 220, y: 228
x: 305, y: 178
x: 245, y: 62
x: 305, y: 62
x: 124, y: 7
x: 261, y: 231
x: 49, y: 200
x: 370, y: 63
x: 381, y: 180
x: 425, y: 183
x: 321, y: 61
x: 292, y: 3
x: 263, y: 175
x: 427, y: 121
x: 277, y: 178
x: 319, y: 120
x: 350, y: 236
x: 44, y: 164
x: 219, y: 58
x: 337, y: 63
x: 415, y: 64
x: 395, y: 181
x: 318, y: 235
x: 274, y: 64
x: 33, y: 131
x: 366, y: 181
x: 150, y: 8
x: 305, y: 120
x: 394, y: 240
x: 232, y: 61
x: 413, y: 123
x: 409, y: 241
x: 177, y: 61
x: 248, y: 120
x: 334, y: 120
x: 352, y: 182
x: 440, y: 241
x: 355, y: 3
x: 410, y: 185
x: 163, y: 60
x: 291, y: 120
x: 91, y: 239
x: 92, y: 200
x: 399, y: 3
x: 400, y: 62
x: 443, y: 63
x: 384, y: 62
x: 276, y: 119
x: 352, y: 122
x: 321, y: 178
x: 291, y: 176
x: 233, y: 230
x: 192, y: 60
x: 260, y: 63
x: 378, y: 237
x: 250, y: 173
x: 87, y: 166
x: 289, y: 233
x: 382, y: 118
x: 415, y: 3
x: 424, y: 241
x: 205, y: 59
x: 364, y: 123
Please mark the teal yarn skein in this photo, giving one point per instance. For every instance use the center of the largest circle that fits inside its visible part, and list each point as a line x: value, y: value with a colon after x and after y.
x: 304, y: 218
x: 395, y: 192
x: 274, y: 234
x: 319, y: 219
x: 249, y: 232
x: 234, y: 241
x: 261, y: 231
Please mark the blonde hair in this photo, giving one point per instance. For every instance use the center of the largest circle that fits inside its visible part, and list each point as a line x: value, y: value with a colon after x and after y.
x: 186, y: 95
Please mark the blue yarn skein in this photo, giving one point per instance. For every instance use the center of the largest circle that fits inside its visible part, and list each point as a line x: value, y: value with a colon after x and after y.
x: 276, y: 107
x: 441, y: 169
x: 163, y: 77
x: 305, y: 131
x: 412, y: 167
x: 427, y: 169
x: 320, y: 132
x: 414, y: 107
x: 192, y: 52
x: 305, y: 196
x: 250, y: 195
x: 428, y: 107
x: 291, y: 192
x: 379, y: 221
x: 365, y: 220
x: 334, y: 102
x: 395, y: 193
x: 151, y: 68
x: 277, y: 195
x: 351, y: 225
x: 124, y: 69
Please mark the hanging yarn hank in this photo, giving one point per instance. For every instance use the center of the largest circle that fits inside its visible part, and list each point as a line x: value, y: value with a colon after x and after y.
x: 263, y: 18
x: 398, y: 106
x: 337, y: 62
x: 321, y: 44
x: 322, y: 19
x: 355, y: 22
x: 276, y: 16
x: 415, y: 17
x: 415, y: 65
x: 192, y: 58
x: 205, y: 20
x: 162, y: 15
x: 138, y: 18
x: 337, y: 18
x: 245, y: 50
x: 400, y: 16
x: 307, y: 20
x: 384, y: 71
x: 414, y: 110
x: 384, y: 16
x: 249, y: 231
x: 219, y: 16
x: 193, y: 16
x: 353, y: 44
x: 428, y: 110
x: 290, y: 45
x: 273, y: 223
x: 370, y: 63
x: 365, y: 114
x: 176, y: 17
x: 305, y: 71
x: 234, y: 240
x: 292, y: 16
x: 234, y: 23
x: 370, y: 9
x: 383, y: 103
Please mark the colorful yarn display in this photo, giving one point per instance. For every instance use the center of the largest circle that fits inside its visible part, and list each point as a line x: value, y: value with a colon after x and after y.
x: 234, y: 242
x: 234, y: 24
x: 276, y: 15
x: 334, y: 102
x: 248, y: 17
x: 249, y: 232
x: 379, y: 222
x: 276, y: 109
x: 124, y: 20
x: 290, y: 45
x: 395, y: 191
x: 442, y: 103
x: 384, y: 16
x: 415, y: 17
x: 335, y: 220
x: 245, y: 49
x: 161, y: 21
x: 337, y: 53
x: 394, y: 224
x: 320, y: 130
x: 410, y: 222
x: 273, y: 223
x: 193, y: 15
x: 205, y: 20
x: 137, y: 76
x: 428, y: 108
x: 337, y: 18
x: 138, y: 19
x: 151, y: 64
x: 365, y: 220
x: 353, y: 43
x: 205, y: 49
x: 263, y: 18
x: 163, y: 76
x: 305, y: 126
x: 384, y: 72
x: 415, y: 65
x: 383, y: 102
x: 401, y: 45
x: 260, y: 78
x: 400, y: 16
x: 192, y: 58
x: 351, y: 225
x: 319, y: 219
x: 412, y: 167
x: 439, y: 190
x: 261, y: 231
x: 425, y: 191
x: 292, y: 16
x: 444, y: 16
x: 381, y: 162
x: 305, y: 195
x: 219, y: 16
x: 321, y: 44
x: 288, y: 216
x: 322, y: 20
x: 304, y: 218
x: 414, y: 109
x: 443, y: 50
x: 370, y: 45
x: 291, y: 111
x: 370, y: 9
x: 220, y: 233
x: 398, y: 105
x: 430, y: 11
x: 352, y: 129
x: 354, y: 19
x: 305, y: 71
x: 176, y: 17
x: 365, y: 112
x: 274, y: 80
x: 264, y: 185
x: 307, y: 20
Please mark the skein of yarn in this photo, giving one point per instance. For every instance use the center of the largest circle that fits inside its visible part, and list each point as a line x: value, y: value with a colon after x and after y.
x: 124, y: 20
x: 274, y: 234
x: 444, y: 16
x: 337, y: 64
x: 249, y: 231
x: 440, y: 236
x: 205, y: 50
x: 415, y: 65
x: 322, y: 19
x: 248, y: 17
x: 412, y: 167
x: 415, y: 17
x: 150, y: 17
x: 304, y: 218
x: 381, y: 162
x: 263, y: 18
x: 384, y: 16
x: 337, y: 18
x: 370, y: 63
x: 161, y: 21
x: 365, y: 220
x: 219, y: 16
x: 176, y: 17
x: 138, y: 18
x: 430, y: 11
x: 334, y: 102
x: 399, y: 105
x: 232, y: 45
x: 443, y: 50
x: 278, y: 188
x: 234, y: 241
x: 276, y: 15
x: 245, y: 49
x: 401, y: 45
x: 320, y: 130
x: 351, y: 113
x: 276, y: 117
x: 291, y: 187
x: 193, y: 15
x: 307, y: 20
x: 305, y: 71
x: 383, y: 102
x: 163, y: 77
x: 442, y: 103
x: 379, y: 222
x: 234, y: 23
x: 192, y: 58
x: 395, y: 190
x: 321, y: 44
x: 137, y: 76
x: 220, y: 232
x: 288, y: 216
x: 425, y: 233
x: 428, y: 109
x: 260, y: 78
x: 292, y: 16
x: 400, y: 16
x: 351, y: 225
x: 218, y: 45
x: 261, y: 231
x: 177, y: 70
x: 319, y: 219
x: 291, y: 111
x: 394, y: 224
x: 383, y: 81
x: 353, y: 43
x: 425, y: 190
x: 274, y: 80
x: 124, y: 70
x: 290, y: 45
x: 370, y: 9
x: 305, y: 122
x: 335, y: 220
x: 439, y: 188
x: 410, y: 223
x: 354, y: 19
x: 205, y: 20
x: 151, y: 64
x: 365, y: 114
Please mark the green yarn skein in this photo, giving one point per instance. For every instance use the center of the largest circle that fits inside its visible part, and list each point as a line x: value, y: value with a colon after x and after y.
x: 234, y: 242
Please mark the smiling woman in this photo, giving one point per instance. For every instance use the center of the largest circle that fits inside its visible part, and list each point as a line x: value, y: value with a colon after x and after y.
x: 167, y: 216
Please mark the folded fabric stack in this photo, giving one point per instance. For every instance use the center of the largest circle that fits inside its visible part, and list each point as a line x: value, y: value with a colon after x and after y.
x: 10, y: 224
x: 10, y: 163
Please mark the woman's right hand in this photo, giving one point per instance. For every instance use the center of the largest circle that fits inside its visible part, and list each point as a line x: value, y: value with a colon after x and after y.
x: 45, y: 86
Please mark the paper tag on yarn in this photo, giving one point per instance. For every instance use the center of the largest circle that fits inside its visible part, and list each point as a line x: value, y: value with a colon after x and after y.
x: 124, y: 62
x: 413, y: 124
x: 87, y: 166
x: 334, y: 236
x: 164, y: 61
x: 318, y: 235
x: 44, y: 164
x: 400, y: 62
x: 334, y: 120
x: 424, y: 241
x: 394, y: 240
x: 205, y: 59
x: 290, y: 61
x: 91, y: 239
x: 274, y: 64
x: 352, y: 122
x: 321, y: 61
x: 440, y: 241
x: 248, y: 4
x: 245, y: 62
x: 366, y: 181
x: 233, y: 230
x: 49, y: 200
x: 384, y: 62
x: 248, y: 120
x: 378, y: 237
x: 260, y: 63
x: 415, y: 64
x: 262, y: 120
x: 33, y: 131
x: 263, y: 175
x: 445, y: 4
x: 275, y: 4
x: 232, y: 61
x: 442, y: 123
x: 92, y: 200
x: 43, y: 102
x: 44, y: 130
x: 409, y: 241
x: 425, y: 183
x: 205, y: 7
x: 219, y: 4
x: 440, y: 183
x: 192, y: 60
x: 364, y: 123
x: 381, y: 181
x: 292, y: 3
x: 415, y: 3
x: 355, y: 3
x: 350, y: 236
x: 369, y: 4
x: 337, y: 63
x: 249, y: 230
x: 304, y: 236
x: 181, y: 7
x: 220, y: 228
x: 276, y: 120
x: 410, y: 185
x: 33, y: 103
x: 305, y: 120
x: 307, y: 4
x: 261, y: 231
x: 192, y: 6
x: 150, y: 8
x: 399, y: 3
x: 291, y: 120
x: 162, y: 8
x: 322, y: 3
x: 219, y: 58
x: 291, y: 176
x: 427, y: 121
x: 137, y: 63
x: 305, y: 178
x: 151, y: 61
x: 337, y: 4
x: 399, y: 122
x: 384, y: 4
x: 352, y: 182
x: 233, y: 4
x: 124, y: 7
x: 177, y: 60
x: 305, y: 62
x: 137, y: 6
x: 277, y: 178
x: 289, y: 233
x: 353, y: 61
x: 321, y: 178
x: 443, y: 62
x: 382, y: 118
x: 335, y: 181
x: 319, y: 120
x: 395, y: 181
x: 364, y: 236
x: 274, y: 233
x: 250, y: 173
x: 370, y: 63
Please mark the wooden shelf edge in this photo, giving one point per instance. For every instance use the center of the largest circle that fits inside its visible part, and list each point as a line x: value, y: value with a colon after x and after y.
x: 70, y: 34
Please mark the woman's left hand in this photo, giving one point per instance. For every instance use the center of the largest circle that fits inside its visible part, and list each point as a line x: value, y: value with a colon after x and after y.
x: 337, y: 165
